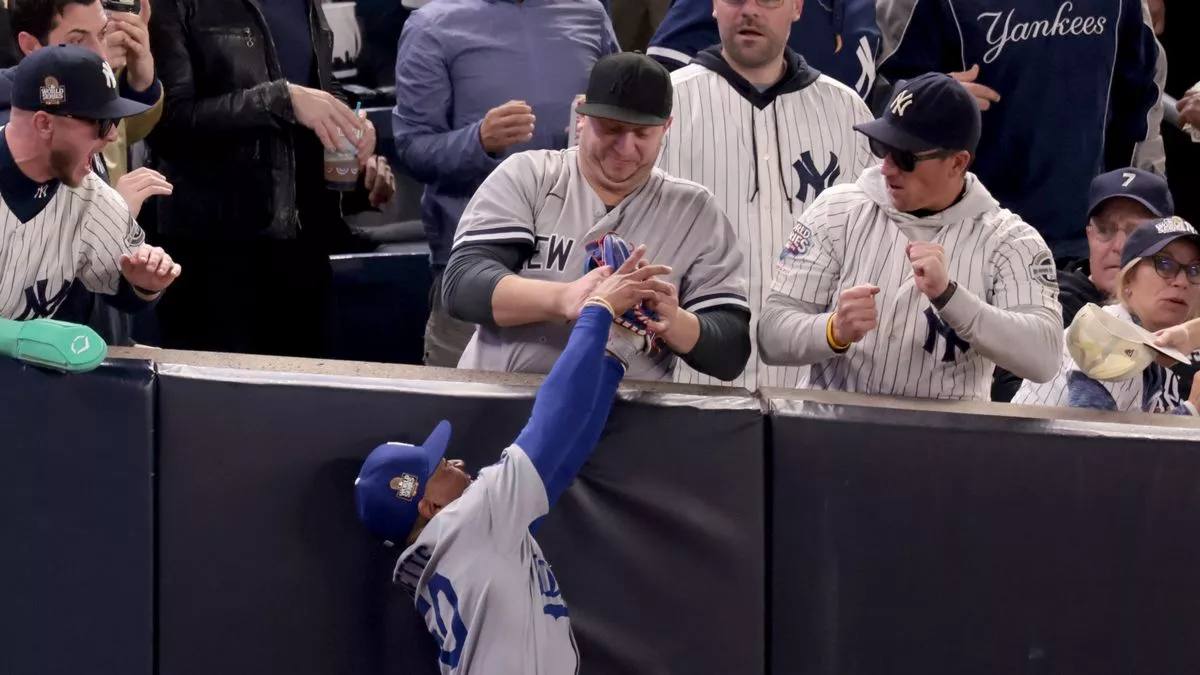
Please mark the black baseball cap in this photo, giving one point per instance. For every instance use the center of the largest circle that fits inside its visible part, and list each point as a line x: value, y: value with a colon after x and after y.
x: 70, y: 80
x: 929, y: 112
x: 629, y: 87
x: 1153, y: 236
x: 1141, y: 186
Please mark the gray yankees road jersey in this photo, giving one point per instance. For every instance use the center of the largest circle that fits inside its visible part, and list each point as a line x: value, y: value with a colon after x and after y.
x: 479, y: 579
x: 540, y: 198
x: 53, y: 236
x: 805, y: 143
x: 1005, y: 309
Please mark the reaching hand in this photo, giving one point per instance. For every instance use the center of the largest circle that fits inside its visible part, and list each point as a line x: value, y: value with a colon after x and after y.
x: 141, y: 184
x: 984, y: 96
x: 149, y: 268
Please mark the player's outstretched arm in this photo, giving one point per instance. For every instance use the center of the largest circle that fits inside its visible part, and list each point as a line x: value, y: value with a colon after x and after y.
x: 566, y: 416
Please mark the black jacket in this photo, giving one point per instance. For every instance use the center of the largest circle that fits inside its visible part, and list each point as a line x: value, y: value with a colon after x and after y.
x: 228, y: 139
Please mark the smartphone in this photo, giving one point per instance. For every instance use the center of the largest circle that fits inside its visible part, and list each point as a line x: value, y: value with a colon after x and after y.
x: 131, y: 6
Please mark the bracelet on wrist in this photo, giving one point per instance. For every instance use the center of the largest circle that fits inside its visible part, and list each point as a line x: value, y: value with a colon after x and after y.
x: 598, y: 301
x: 833, y: 343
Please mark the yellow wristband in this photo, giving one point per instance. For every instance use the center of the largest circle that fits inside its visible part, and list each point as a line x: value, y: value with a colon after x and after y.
x: 600, y: 302
x: 833, y: 343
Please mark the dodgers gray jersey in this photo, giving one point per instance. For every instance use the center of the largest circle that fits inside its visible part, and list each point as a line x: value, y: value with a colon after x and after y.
x: 1005, y: 310
x: 53, y: 236
x: 540, y: 199
x: 480, y: 581
x: 764, y: 158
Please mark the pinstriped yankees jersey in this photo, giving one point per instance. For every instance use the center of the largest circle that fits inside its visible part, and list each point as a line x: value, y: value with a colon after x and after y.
x: 851, y: 235
x: 53, y: 236
x: 541, y: 199
x: 764, y: 156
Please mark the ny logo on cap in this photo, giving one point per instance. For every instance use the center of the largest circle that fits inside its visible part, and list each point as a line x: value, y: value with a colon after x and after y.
x: 109, y: 77
x: 901, y: 103
x: 405, y: 486
x: 51, y: 92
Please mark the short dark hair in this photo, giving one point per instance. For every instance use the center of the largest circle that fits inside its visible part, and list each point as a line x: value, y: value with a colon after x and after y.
x: 38, y: 17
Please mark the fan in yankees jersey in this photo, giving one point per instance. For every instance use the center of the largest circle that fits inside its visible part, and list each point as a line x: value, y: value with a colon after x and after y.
x: 61, y: 225
x: 913, y: 281
x: 766, y: 149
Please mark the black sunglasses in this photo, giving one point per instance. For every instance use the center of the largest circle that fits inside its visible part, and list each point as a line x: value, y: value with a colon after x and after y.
x: 103, y: 126
x: 906, y: 161
x: 1168, y: 268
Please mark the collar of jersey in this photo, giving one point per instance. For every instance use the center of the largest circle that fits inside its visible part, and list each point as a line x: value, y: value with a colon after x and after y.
x: 20, y: 192
x: 797, y: 74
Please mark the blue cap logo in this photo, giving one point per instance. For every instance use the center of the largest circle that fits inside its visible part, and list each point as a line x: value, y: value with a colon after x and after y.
x: 406, y: 486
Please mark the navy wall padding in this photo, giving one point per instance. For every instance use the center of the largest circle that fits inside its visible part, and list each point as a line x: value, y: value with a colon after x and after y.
x: 918, y: 542
x: 264, y: 567
x: 76, y: 520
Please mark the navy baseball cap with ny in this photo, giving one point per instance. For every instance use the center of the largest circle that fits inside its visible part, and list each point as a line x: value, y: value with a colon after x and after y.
x: 70, y: 81
x: 929, y: 112
x: 629, y: 87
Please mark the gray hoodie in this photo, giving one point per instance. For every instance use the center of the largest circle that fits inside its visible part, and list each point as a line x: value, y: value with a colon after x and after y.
x: 1004, y: 312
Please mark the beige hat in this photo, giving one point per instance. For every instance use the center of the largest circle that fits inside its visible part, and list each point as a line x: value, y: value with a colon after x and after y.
x: 1109, y: 348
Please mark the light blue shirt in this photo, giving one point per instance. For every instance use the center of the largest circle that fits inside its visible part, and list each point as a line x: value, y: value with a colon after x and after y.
x: 458, y: 59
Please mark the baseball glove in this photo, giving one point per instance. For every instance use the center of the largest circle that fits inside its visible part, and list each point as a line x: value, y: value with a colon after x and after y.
x: 613, y: 251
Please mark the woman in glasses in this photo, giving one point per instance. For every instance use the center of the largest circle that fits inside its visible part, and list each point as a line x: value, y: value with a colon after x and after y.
x: 1158, y: 287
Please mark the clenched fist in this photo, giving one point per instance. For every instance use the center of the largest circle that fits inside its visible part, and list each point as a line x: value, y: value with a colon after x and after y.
x: 929, y: 267
x: 856, y: 313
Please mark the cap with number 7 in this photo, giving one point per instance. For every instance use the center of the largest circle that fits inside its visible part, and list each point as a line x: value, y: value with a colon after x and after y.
x: 1141, y: 186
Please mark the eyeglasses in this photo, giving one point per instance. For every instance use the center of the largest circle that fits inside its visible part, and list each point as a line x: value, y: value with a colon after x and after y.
x: 103, y: 126
x: 906, y: 161
x: 1168, y: 268
x: 1106, y: 230
x: 766, y: 4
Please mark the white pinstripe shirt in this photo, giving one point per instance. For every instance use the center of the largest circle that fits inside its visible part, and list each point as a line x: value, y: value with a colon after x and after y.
x: 53, y: 236
x: 764, y: 157
x: 1005, y: 310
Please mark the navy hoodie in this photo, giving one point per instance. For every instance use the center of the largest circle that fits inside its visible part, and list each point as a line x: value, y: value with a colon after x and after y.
x: 1077, y: 85
x: 837, y: 37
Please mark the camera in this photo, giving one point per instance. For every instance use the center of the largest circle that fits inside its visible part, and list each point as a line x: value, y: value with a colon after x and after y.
x: 131, y: 6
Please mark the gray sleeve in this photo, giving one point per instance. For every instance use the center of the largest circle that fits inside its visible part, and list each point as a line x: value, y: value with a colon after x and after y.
x: 1025, y: 341
x: 471, y: 276
x: 724, y: 344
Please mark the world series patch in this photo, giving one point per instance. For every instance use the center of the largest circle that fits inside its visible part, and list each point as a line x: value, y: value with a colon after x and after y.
x: 798, y: 243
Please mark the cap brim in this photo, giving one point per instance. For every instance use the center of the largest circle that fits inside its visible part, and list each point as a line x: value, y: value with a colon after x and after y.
x: 1124, y: 195
x: 119, y: 108
x: 435, y: 445
x: 882, y: 131
x: 1159, y: 245
x: 612, y: 112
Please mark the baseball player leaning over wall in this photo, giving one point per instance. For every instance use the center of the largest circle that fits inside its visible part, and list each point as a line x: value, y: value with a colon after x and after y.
x: 474, y: 570
x: 913, y: 281
x: 519, y: 262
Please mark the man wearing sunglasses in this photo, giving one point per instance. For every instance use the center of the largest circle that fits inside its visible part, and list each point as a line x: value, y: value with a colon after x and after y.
x: 1118, y: 202
x: 913, y: 281
x: 61, y: 225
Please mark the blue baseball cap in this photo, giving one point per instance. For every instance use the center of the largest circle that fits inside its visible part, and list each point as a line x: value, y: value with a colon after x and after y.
x: 392, y: 482
x: 929, y: 112
x: 1148, y: 189
x: 1152, y: 237
x: 70, y: 80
